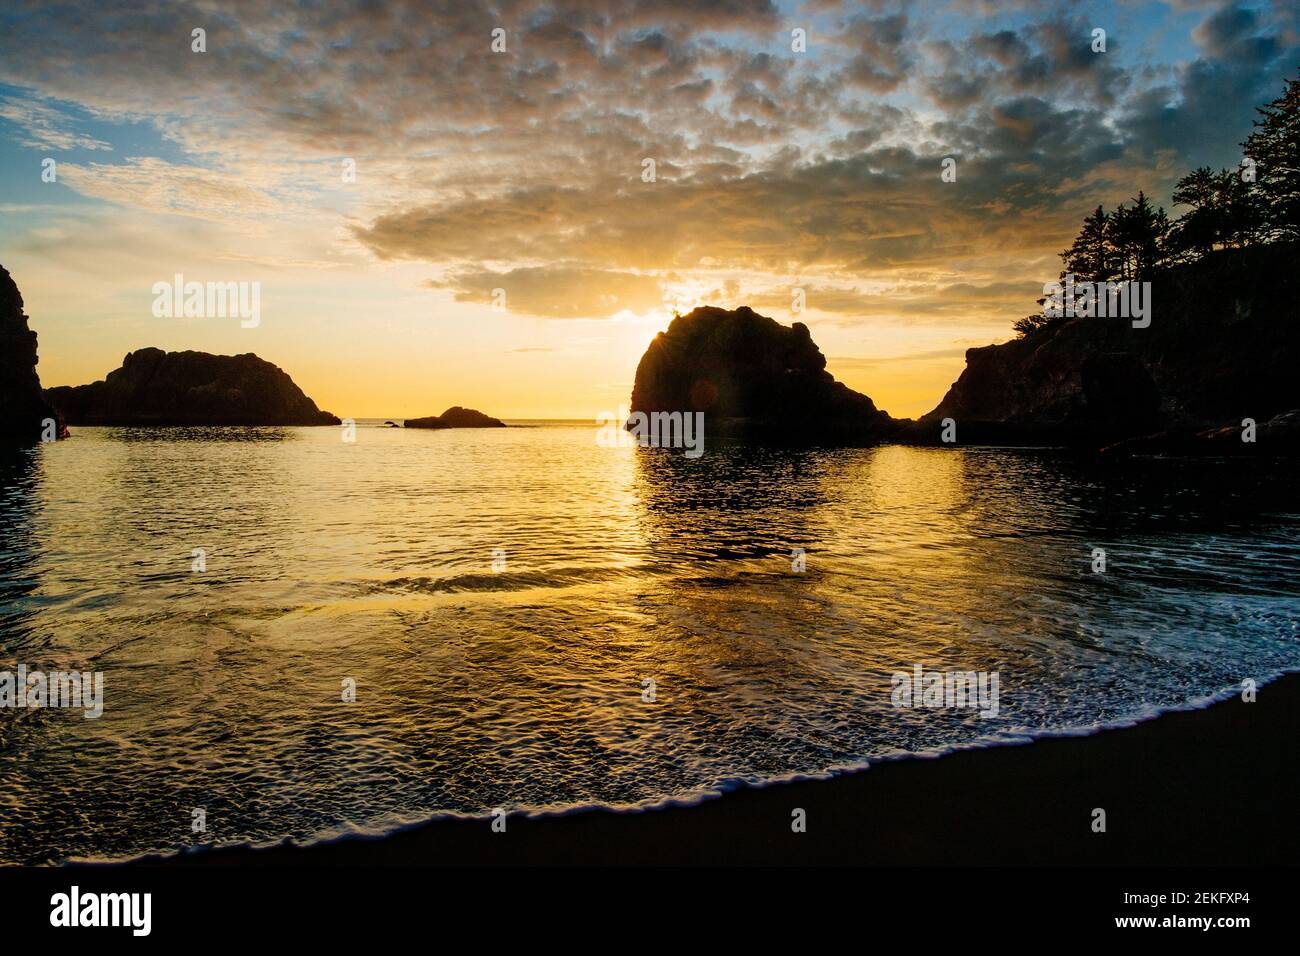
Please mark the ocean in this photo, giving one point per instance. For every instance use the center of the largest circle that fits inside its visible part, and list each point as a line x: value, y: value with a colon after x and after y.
x: 302, y: 637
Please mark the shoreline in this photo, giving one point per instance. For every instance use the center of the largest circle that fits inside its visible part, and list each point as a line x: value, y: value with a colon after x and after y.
x: 1208, y: 786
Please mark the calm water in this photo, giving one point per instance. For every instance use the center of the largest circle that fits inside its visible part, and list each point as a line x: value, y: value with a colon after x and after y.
x: 522, y: 687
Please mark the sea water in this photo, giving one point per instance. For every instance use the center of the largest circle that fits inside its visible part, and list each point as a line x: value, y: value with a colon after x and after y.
x: 302, y: 637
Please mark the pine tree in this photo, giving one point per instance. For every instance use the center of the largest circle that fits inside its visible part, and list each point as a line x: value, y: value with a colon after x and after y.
x: 1243, y: 213
x: 1121, y: 229
x: 1089, y: 258
x: 1274, y: 145
x: 1138, y: 233
x: 1201, y: 226
x: 1230, y: 208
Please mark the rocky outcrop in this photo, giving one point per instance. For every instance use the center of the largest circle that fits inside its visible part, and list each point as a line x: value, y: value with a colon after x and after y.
x: 1279, y: 436
x: 24, y: 412
x: 456, y: 417
x: 1223, y: 345
x: 749, y: 374
x: 154, y: 387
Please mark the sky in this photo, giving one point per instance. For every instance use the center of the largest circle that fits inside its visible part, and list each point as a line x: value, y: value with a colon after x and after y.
x: 381, y: 170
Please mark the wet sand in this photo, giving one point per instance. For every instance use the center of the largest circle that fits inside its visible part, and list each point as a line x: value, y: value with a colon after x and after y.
x: 1208, y: 787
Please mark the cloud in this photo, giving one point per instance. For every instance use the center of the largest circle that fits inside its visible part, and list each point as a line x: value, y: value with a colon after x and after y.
x: 1229, y: 34
x: 522, y: 170
x: 558, y: 292
x: 912, y: 300
x: 869, y: 209
x: 1240, y: 64
x: 871, y: 364
x: 881, y: 55
x: 1052, y: 57
x: 45, y: 127
x: 158, y: 186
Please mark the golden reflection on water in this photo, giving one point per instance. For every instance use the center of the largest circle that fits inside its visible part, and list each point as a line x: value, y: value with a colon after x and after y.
x: 522, y: 686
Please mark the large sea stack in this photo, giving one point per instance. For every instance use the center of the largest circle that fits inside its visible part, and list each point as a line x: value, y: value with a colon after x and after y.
x: 24, y: 411
x: 154, y: 387
x: 751, y: 375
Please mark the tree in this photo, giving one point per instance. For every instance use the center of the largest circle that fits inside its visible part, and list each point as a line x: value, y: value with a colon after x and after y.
x: 1137, y: 237
x: 1198, y: 189
x: 1233, y: 208
x: 1202, y: 225
x: 1032, y: 323
x: 1242, y: 213
x: 1274, y: 146
x: 1227, y: 210
x: 1089, y: 258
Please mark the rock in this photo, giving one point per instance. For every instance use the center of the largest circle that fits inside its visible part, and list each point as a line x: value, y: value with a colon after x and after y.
x: 1279, y: 435
x: 23, y: 408
x: 456, y: 417
x: 1069, y: 388
x: 749, y: 374
x: 1222, y: 346
x: 154, y: 387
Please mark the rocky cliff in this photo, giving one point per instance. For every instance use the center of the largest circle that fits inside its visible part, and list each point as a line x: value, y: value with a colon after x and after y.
x: 23, y: 408
x: 1222, y: 346
x: 749, y: 374
x: 154, y: 387
x: 456, y: 417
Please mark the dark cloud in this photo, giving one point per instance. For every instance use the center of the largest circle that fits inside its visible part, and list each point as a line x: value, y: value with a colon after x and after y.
x: 1230, y: 35
x: 877, y: 208
x: 1052, y: 57
x: 1205, y: 114
x: 881, y: 56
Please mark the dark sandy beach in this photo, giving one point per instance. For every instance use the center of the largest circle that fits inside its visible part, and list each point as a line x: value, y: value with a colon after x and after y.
x: 1207, y: 787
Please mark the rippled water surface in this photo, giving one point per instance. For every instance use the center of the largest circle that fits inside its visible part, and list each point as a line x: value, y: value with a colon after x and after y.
x: 522, y: 687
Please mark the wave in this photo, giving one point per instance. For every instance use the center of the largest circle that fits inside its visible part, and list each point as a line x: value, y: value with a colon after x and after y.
x: 385, y: 827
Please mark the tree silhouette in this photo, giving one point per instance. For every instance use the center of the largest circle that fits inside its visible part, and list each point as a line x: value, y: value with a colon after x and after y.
x: 1231, y: 208
x: 1274, y: 147
x: 1091, y: 258
x: 1197, y: 230
x: 1137, y: 237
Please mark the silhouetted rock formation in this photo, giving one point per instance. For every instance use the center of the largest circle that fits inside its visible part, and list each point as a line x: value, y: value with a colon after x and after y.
x: 23, y: 408
x: 154, y: 387
x: 749, y: 374
x: 1223, y: 345
x: 1279, y: 435
x: 456, y: 417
